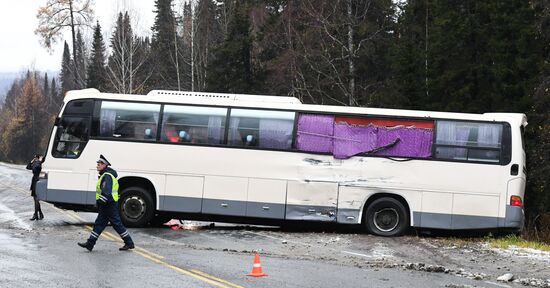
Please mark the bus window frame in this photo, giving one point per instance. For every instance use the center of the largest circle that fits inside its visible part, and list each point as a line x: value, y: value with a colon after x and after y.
x: 293, y: 149
x: 57, y: 140
x: 506, y: 128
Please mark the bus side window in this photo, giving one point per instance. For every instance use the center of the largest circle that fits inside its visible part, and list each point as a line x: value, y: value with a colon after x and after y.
x: 469, y: 141
x: 193, y: 124
x: 261, y: 128
x: 132, y: 121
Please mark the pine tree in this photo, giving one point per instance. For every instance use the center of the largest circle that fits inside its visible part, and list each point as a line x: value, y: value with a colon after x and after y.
x: 57, y: 99
x: 231, y: 70
x: 67, y: 73
x: 537, y: 134
x: 96, y: 67
x: 472, y: 64
x: 163, y: 45
x: 46, y: 86
x: 80, y: 58
x: 408, y: 55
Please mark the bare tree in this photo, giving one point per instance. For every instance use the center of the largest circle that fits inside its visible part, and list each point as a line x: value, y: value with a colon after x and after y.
x: 206, y: 33
x: 332, y: 46
x: 60, y: 14
x: 226, y: 9
x: 128, y: 55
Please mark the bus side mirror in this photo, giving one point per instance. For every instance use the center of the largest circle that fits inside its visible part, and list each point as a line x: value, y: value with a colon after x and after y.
x: 57, y: 121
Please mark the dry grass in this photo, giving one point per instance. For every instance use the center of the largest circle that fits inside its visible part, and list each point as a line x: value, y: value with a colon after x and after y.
x: 517, y: 241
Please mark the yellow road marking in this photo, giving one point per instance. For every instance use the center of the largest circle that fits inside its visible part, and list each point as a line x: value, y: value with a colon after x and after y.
x: 115, y: 238
x: 214, y: 278
x: 180, y: 270
x: 149, y: 255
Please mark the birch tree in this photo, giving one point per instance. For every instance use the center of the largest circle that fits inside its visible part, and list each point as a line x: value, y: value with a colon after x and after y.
x: 125, y: 68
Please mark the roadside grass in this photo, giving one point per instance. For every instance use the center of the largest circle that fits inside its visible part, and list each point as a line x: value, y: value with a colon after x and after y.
x: 515, y: 240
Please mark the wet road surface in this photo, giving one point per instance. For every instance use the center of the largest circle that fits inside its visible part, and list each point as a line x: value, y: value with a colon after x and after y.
x: 44, y: 253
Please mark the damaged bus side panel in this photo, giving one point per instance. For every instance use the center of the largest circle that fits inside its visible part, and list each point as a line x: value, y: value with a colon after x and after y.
x: 241, y: 157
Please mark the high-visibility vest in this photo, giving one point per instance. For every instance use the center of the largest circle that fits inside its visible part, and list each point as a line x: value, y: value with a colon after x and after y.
x: 114, y: 189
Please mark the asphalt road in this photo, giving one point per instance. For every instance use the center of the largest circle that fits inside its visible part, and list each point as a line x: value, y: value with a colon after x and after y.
x: 44, y: 253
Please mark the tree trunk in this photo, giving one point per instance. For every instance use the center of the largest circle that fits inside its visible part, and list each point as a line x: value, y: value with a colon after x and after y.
x: 351, y: 54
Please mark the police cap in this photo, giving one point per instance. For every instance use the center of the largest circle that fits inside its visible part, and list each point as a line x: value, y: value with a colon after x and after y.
x: 103, y: 160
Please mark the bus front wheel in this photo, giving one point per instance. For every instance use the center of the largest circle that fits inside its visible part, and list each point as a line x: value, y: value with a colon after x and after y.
x: 387, y: 217
x: 136, y: 207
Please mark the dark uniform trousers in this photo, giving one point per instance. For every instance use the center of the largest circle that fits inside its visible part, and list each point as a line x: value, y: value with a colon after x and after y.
x: 109, y: 213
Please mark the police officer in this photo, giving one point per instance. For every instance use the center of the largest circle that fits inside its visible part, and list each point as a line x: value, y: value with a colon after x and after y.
x: 107, y: 203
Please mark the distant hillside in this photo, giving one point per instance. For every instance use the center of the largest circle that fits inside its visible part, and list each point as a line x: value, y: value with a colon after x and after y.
x: 7, y: 78
x: 5, y: 82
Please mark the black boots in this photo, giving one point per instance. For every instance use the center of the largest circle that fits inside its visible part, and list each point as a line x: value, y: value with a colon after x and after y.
x: 86, y: 245
x: 37, y: 216
x: 126, y: 247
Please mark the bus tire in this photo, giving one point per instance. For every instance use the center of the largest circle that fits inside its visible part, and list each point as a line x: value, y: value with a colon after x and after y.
x: 136, y: 207
x: 387, y: 217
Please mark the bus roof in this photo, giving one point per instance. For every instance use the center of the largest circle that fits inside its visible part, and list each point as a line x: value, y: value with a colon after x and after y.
x: 284, y: 103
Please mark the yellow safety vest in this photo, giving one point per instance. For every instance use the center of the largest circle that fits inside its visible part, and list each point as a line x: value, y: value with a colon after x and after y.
x: 114, y: 189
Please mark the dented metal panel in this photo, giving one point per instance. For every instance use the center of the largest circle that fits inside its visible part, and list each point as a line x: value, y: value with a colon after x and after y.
x: 312, y: 201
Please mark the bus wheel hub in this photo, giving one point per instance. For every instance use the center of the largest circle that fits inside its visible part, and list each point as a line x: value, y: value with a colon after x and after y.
x: 133, y: 207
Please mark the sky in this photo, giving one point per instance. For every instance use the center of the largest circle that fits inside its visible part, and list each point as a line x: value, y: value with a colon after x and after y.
x: 20, y: 49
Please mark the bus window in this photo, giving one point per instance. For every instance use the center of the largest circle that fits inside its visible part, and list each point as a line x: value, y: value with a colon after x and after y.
x: 132, y: 121
x: 261, y: 128
x: 468, y: 141
x: 193, y: 124
x: 71, y: 138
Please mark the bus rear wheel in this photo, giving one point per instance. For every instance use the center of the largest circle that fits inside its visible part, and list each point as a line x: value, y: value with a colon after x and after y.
x: 136, y: 207
x: 387, y: 217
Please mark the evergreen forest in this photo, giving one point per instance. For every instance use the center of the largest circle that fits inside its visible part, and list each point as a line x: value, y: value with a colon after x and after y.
x: 458, y: 56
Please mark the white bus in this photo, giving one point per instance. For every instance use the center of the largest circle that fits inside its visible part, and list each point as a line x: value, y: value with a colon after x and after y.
x: 265, y: 159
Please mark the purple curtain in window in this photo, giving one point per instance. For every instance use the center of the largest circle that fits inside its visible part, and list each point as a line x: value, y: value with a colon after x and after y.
x: 413, y: 142
x: 315, y: 133
x: 352, y: 140
x: 319, y: 133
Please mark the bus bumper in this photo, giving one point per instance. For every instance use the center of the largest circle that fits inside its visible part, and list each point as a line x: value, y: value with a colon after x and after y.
x: 514, y: 218
x: 58, y: 200
x: 42, y: 189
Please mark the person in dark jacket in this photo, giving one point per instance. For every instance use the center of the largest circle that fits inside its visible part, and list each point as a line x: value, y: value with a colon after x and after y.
x: 36, y: 166
x: 107, y: 203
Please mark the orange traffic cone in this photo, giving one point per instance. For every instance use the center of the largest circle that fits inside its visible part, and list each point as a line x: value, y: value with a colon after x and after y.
x: 256, y: 268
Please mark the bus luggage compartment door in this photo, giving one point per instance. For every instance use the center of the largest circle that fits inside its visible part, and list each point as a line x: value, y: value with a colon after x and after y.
x: 266, y: 198
x: 225, y: 195
x: 312, y: 201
